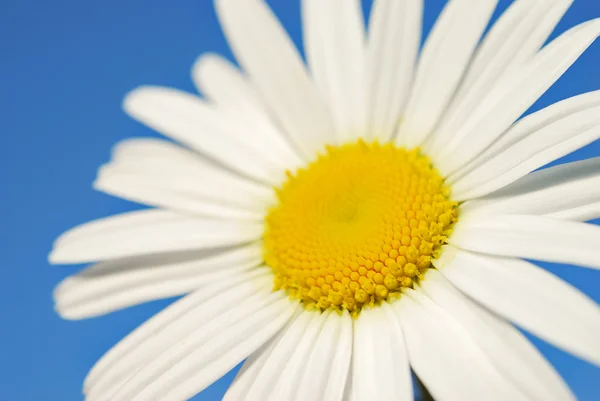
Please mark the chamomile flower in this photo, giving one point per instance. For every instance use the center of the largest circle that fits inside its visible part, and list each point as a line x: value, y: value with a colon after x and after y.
x: 340, y: 223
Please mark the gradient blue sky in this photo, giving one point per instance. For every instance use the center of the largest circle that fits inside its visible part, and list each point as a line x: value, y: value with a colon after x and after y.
x: 64, y: 67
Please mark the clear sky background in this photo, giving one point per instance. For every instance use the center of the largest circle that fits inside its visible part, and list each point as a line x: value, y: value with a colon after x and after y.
x: 64, y: 67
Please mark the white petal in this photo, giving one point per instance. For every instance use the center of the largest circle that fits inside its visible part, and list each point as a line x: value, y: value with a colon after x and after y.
x: 174, y: 168
x: 199, y: 364
x: 445, y: 357
x: 508, y: 47
x: 159, y: 173
x: 512, y: 96
x: 531, y: 124
x: 188, y: 119
x: 326, y: 370
x: 171, y: 326
x: 393, y: 45
x: 380, y: 369
x: 516, y: 36
x: 530, y: 297
x: 204, y: 354
x: 334, y: 41
x: 349, y: 391
x: 286, y: 386
x: 530, y: 237
x: 249, y: 370
x: 542, y: 146
x: 582, y: 213
x: 148, y: 232
x: 276, y: 70
x: 238, y: 390
x: 514, y: 356
x: 263, y: 383
x: 338, y: 372
x: 225, y: 85
x: 560, y: 191
x: 445, y: 56
x: 166, y: 191
x: 109, y: 286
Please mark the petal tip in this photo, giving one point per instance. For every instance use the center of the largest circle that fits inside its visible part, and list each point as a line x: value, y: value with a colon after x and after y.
x: 53, y: 259
x: 133, y: 97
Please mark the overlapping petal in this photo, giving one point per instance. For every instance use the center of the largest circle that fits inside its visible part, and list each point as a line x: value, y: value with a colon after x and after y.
x: 568, y: 191
x: 148, y: 232
x: 513, y: 355
x: 116, y: 284
x: 391, y: 57
x: 530, y: 237
x: 444, y: 355
x: 268, y: 55
x: 528, y: 296
x: 442, y: 63
x: 334, y: 41
x: 380, y: 367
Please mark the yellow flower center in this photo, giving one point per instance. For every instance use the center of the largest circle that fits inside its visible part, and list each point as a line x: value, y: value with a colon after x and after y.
x: 357, y: 225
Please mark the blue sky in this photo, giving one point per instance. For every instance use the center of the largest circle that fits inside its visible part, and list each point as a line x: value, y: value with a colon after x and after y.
x: 65, y: 66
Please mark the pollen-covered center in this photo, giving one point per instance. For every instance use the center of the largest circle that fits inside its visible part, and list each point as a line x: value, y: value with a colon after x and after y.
x: 356, y: 225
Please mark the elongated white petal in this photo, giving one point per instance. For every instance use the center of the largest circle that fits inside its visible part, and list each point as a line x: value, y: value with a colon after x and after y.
x: 170, y: 326
x: 393, y: 45
x: 112, y: 285
x: 159, y: 173
x: 514, y: 356
x: 188, y: 119
x: 581, y: 213
x: 445, y: 56
x: 254, y: 365
x: 529, y: 125
x: 514, y: 38
x: 191, y: 366
x: 263, y: 383
x: 529, y: 296
x: 225, y: 85
x: 286, y: 386
x: 511, y: 43
x: 334, y: 41
x: 338, y: 373
x: 444, y: 355
x: 148, y: 232
x: 271, y: 374
x: 349, y: 391
x: 380, y: 369
x: 174, y: 168
x: 532, y: 143
x: 530, y: 237
x: 560, y: 191
x: 169, y: 192
x: 326, y: 369
x: 204, y: 354
x: 512, y: 96
x: 250, y: 369
x: 276, y: 70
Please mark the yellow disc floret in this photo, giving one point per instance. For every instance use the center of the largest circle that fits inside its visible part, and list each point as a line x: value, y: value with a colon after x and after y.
x: 357, y: 225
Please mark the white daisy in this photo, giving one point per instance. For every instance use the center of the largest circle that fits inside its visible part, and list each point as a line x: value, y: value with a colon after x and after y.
x: 342, y: 224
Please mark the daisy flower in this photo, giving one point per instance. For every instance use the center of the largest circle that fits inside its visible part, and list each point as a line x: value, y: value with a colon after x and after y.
x: 340, y: 223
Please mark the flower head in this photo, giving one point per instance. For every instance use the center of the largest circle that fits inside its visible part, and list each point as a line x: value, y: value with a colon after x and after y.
x: 343, y: 222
